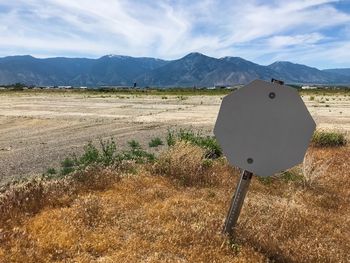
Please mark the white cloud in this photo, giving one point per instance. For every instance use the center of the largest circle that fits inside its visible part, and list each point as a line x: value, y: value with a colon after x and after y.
x: 169, y: 29
x: 252, y: 21
x: 305, y: 39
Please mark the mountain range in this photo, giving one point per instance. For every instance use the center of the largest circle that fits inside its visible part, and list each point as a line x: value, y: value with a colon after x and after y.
x: 194, y: 69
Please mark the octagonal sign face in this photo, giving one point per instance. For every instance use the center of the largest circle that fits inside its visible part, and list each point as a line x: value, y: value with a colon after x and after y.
x: 264, y: 128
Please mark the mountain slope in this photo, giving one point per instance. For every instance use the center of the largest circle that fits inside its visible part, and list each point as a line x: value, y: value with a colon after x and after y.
x: 339, y: 71
x: 190, y: 70
x: 107, y: 70
x: 198, y: 69
x: 298, y: 73
x: 194, y: 69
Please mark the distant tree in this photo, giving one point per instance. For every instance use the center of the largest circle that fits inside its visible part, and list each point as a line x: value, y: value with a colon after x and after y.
x: 18, y: 86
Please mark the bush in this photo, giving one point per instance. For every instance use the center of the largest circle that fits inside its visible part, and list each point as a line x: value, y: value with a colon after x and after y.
x: 93, y: 156
x: 106, y: 156
x: 328, y: 139
x: 90, y: 156
x: 51, y: 171
x: 209, y: 143
x: 155, y: 142
x: 67, y: 166
x: 171, y: 138
x: 134, y: 144
x: 185, y: 163
x: 109, y: 152
x: 136, y: 153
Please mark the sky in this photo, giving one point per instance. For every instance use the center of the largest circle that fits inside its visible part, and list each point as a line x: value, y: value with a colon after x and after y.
x: 312, y: 32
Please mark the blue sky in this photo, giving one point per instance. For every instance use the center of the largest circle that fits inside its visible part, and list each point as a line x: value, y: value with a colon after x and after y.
x: 312, y: 32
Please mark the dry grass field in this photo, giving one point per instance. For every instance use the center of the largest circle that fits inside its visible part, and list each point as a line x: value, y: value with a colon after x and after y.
x: 168, y: 209
x: 173, y: 211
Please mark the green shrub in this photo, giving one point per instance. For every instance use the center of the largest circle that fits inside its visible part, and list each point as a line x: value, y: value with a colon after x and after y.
x: 328, y: 139
x: 106, y: 156
x: 67, y: 166
x: 171, y: 138
x: 134, y: 144
x: 51, y: 171
x: 109, y: 152
x: 136, y: 153
x: 155, y: 142
x: 90, y: 156
x: 209, y: 143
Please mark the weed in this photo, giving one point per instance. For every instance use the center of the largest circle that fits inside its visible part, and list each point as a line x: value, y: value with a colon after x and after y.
x: 155, y: 142
x: 328, y: 139
x: 312, y: 98
x: 291, y: 176
x: 109, y: 152
x: 106, y: 156
x: 134, y: 144
x: 136, y: 153
x: 90, y: 156
x: 207, y: 163
x: 51, y: 171
x: 170, y: 138
x: 67, y: 166
x: 209, y: 143
x: 265, y: 180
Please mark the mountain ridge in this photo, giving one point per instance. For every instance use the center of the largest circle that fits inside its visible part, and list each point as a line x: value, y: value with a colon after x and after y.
x: 194, y: 69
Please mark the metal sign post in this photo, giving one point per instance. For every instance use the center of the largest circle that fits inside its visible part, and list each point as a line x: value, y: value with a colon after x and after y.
x: 237, y: 202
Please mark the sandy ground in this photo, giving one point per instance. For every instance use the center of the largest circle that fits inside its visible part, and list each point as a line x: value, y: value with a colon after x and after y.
x: 37, y: 130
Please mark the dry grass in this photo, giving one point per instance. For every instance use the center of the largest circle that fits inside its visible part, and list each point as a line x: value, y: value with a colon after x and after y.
x: 186, y: 163
x: 154, y: 216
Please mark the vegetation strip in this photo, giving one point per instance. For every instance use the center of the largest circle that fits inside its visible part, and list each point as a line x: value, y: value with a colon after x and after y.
x: 172, y: 207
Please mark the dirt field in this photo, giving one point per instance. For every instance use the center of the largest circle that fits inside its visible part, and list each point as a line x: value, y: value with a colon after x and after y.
x: 39, y: 129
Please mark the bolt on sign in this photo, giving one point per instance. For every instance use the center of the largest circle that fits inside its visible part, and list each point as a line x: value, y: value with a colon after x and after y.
x: 263, y: 128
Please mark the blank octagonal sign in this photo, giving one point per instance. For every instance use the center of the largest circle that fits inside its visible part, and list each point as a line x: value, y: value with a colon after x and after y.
x: 264, y: 128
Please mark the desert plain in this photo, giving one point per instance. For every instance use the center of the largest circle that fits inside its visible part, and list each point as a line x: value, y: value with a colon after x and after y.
x: 38, y: 129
